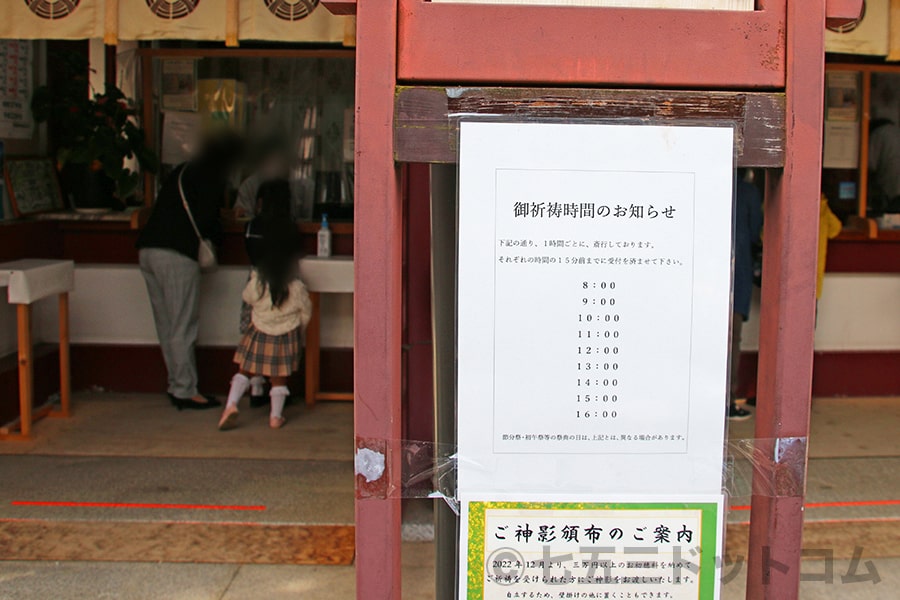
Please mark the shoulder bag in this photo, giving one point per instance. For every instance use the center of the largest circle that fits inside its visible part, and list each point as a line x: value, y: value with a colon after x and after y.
x: 206, y: 253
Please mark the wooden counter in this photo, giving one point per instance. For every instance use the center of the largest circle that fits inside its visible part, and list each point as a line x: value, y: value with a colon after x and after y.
x: 110, y: 238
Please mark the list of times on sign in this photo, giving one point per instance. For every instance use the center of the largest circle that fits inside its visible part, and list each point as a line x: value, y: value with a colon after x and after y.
x: 593, y: 275
x: 593, y: 305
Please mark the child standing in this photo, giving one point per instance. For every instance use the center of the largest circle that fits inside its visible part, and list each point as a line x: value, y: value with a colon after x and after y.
x: 279, y: 302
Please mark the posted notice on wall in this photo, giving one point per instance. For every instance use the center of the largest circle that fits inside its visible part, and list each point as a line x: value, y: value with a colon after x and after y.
x: 638, y: 547
x: 179, y: 84
x: 593, y: 307
x: 16, y: 86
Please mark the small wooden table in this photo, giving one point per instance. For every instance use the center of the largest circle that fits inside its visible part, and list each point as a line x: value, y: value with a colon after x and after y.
x: 28, y: 281
x: 332, y: 275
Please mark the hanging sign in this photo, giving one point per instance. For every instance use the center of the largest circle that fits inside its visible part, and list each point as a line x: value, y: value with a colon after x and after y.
x: 290, y: 20
x: 659, y: 4
x: 275, y: 20
x: 869, y: 34
x: 51, y: 19
x: 171, y: 19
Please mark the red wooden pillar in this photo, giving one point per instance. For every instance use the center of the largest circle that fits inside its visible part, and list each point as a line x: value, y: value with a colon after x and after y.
x: 787, y: 319
x: 418, y: 349
x: 779, y: 44
x: 378, y: 233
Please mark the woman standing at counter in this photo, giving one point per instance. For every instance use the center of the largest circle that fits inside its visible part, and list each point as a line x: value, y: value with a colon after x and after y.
x: 168, y: 249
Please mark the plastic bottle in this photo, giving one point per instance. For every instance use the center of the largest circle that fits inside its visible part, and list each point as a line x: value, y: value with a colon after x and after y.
x: 324, y: 238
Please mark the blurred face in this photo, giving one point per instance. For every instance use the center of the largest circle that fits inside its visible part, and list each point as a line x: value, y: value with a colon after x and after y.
x: 273, y: 167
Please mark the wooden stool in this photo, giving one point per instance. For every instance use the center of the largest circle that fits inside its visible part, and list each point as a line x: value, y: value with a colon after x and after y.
x: 332, y: 275
x: 28, y: 281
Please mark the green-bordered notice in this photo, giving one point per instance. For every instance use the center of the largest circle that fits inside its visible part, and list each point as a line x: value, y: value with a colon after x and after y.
x: 591, y: 550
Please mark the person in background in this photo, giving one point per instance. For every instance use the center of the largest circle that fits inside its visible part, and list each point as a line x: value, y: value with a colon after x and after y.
x: 273, y: 163
x: 747, y: 228
x: 167, y: 250
x: 264, y: 233
x: 279, y: 303
x: 884, y: 151
x: 829, y: 227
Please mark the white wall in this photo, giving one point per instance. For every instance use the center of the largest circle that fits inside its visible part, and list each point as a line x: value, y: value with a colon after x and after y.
x: 97, y: 61
x: 110, y: 306
x: 857, y: 312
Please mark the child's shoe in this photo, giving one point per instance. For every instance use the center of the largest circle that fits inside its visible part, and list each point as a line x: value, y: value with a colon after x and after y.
x: 277, y: 422
x: 228, y: 420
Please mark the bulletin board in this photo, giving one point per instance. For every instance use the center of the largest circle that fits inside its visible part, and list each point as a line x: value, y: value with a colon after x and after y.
x: 32, y: 185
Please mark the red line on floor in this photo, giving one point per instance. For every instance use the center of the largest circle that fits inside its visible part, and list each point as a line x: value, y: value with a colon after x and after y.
x: 839, y: 504
x: 136, y: 505
x: 835, y: 521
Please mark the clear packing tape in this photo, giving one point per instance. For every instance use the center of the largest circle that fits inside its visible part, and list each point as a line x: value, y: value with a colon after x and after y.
x: 774, y: 467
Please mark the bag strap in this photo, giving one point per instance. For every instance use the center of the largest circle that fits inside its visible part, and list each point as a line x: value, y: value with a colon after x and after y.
x: 249, y: 234
x: 187, y: 208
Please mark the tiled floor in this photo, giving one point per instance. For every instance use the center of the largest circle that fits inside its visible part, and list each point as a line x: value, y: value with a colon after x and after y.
x: 846, y: 427
x: 137, y: 448
x: 138, y: 425
x: 263, y: 491
x: 149, y: 581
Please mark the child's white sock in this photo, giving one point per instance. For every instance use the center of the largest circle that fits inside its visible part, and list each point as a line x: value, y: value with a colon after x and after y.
x: 278, y: 394
x: 257, y: 385
x: 239, y: 385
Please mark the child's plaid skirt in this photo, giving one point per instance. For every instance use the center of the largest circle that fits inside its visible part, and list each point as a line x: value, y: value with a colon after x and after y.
x: 260, y: 353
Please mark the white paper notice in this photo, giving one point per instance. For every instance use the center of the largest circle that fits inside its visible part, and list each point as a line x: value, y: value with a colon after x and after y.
x: 181, y: 136
x: 16, y: 120
x: 841, y: 145
x: 594, y: 303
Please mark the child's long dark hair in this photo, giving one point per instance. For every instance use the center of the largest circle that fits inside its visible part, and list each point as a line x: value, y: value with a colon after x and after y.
x: 277, y: 265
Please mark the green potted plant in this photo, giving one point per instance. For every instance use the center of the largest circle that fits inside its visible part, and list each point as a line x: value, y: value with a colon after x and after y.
x: 93, y: 136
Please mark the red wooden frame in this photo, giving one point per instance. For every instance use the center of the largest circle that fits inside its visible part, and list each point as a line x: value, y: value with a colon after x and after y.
x: 780, y: 46
x: 473, y: 43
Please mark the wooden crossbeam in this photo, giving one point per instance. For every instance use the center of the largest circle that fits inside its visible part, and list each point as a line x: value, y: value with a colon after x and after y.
x: 426, y: 119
